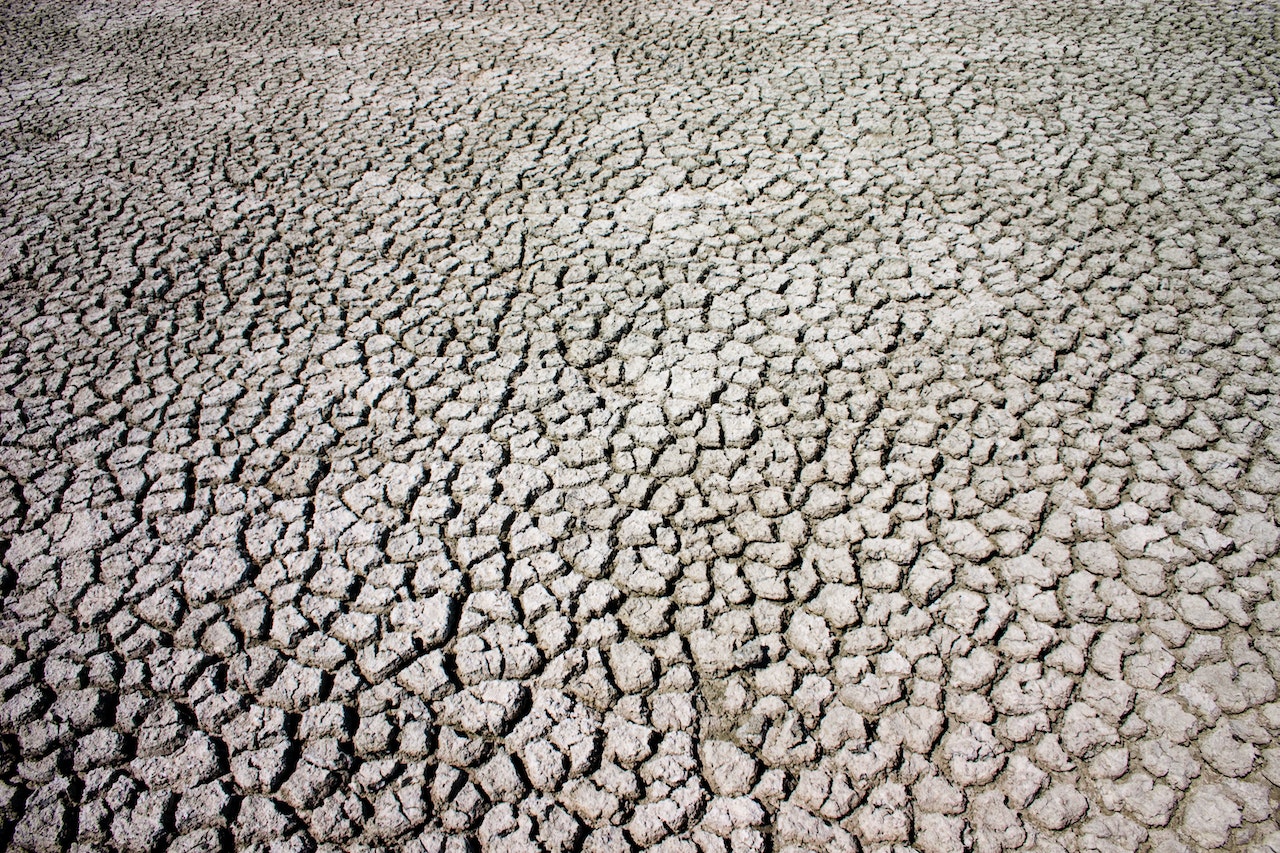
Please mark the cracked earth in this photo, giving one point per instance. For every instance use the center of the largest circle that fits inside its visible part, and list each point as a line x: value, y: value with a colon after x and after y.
x: 693, y: 427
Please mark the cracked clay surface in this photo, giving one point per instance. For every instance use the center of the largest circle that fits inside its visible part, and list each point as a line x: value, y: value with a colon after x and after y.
x: 639, y: 425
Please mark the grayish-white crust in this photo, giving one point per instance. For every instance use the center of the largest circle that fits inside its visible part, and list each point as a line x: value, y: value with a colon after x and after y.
x: 701, y: 427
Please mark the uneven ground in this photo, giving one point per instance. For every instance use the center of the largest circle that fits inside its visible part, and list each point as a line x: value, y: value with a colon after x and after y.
x: 648, y: 425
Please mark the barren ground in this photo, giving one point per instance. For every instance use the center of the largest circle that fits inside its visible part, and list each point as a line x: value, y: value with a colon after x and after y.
x: 677, y: 426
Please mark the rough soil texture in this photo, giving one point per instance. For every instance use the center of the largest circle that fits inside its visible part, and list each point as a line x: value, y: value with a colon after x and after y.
x: 651, y: 425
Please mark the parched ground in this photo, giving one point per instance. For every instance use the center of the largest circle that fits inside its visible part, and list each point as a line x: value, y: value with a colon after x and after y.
x: 610, y: 426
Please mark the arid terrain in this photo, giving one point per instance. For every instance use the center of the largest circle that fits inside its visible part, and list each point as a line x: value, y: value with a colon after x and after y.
x: 699, y: 427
